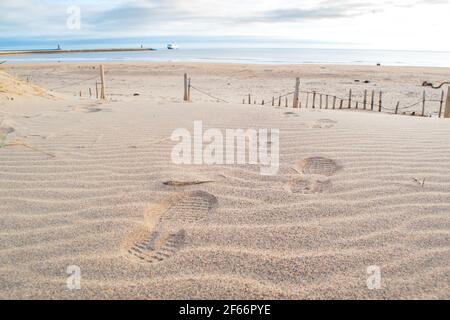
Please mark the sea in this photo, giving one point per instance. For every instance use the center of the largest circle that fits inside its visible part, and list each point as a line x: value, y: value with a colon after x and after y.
x: 252, y: 56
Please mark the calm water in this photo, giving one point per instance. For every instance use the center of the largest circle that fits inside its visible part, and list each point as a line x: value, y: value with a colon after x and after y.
x: 257, y: 56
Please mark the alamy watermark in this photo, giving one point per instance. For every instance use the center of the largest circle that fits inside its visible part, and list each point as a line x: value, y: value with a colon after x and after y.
x: 73, y: 21
x: 231, y: 146
x: 74, y: 278
x: 374, y: 279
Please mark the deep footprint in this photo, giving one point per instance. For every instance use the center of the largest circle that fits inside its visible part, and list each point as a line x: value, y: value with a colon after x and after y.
x: 158, y: 247
x: 168, y: 235
x: 189, y: 207
x: 317, y: 166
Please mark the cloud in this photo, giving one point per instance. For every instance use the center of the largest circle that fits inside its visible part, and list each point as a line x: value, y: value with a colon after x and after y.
x: 325, y: 10
x: 312, y: 19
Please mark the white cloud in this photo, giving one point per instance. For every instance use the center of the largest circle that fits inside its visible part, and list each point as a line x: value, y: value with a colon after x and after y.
x: 388, y: 24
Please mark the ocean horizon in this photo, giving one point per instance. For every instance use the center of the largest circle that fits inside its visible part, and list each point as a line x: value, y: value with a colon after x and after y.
x: 251, y: 56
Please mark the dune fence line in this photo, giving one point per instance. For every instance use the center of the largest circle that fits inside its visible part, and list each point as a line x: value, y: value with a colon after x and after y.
x: 98, y: 90
x: 372, y: 100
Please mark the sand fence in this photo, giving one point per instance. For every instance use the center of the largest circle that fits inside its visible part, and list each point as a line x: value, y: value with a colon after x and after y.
x: 367, y: 100
x: 372, y: 100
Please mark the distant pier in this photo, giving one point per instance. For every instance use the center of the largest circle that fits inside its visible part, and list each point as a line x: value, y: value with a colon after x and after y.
x: 59, y: 51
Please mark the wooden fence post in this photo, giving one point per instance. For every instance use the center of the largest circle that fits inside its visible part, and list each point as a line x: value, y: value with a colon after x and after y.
x: 90, y: 93
x: 96, y: 89
x: 380, y: 105
x: 296, y: 94
x: 273, y: 101
x: 249, y: 98
x: 279, y: 101
x: 365, y: 99
x: 185, y: 94
x: 326, y: 102
x: 189, y: 90
x: 396, y: 108
x: 441, y: 104
x: 320, y: 101
x: 423, y: 103
x: 286, y: 102
x: 314, y: 100
x: 373, y: 100
x: 447, y: 105
x: 334, y: 102
x: 102, y: 79
x: 350, y: 99
x: 342, y: 103
x: 307, y: 100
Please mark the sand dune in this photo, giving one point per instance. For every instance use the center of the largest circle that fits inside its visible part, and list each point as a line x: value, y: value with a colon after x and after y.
x: 11, y: 87
x: 88, y: 187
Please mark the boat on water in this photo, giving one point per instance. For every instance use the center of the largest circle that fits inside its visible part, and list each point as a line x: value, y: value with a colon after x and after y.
x: 172, y: 46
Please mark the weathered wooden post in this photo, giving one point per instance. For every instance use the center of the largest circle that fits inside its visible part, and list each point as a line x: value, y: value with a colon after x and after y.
x: 273, y: 101
x: 350, y: 99
x: 296, y: 93
x: 307, y: 100
x: 441, y: 104
x: 320, y: 99
x: 185, y: 94
x: 314, y: 100
x: 396, y: 108
x: 102, y: 79
x: 249, y: 98
x: 286, y: 102
x: 334, y: 102
x: 326, y: 102
x: 380, y: 105
x: 447, y: 105
x: 90, y: 93
x: 365, y: 99
x: 373, y: 100
x: 96, y: 89
x: 424, y: 99
x: 342, y: 104
x: 189, y: 90
x: 279, y: 101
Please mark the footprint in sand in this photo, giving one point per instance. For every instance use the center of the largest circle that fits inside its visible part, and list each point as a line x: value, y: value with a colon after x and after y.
x: 291, y: 114
x: 315, y: 173
x: 317, y: 166
x: 168, y: 235
x: 308, y: 185
x: 158, y: 247
x: 89, y: 110
x: 4, y: 131
x: 92, y: 110
x: 323, y: 124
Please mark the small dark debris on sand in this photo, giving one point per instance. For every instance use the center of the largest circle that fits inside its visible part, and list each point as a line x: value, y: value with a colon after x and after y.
x: 173, y: 183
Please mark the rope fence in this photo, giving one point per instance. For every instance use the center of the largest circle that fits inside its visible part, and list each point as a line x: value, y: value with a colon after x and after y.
x: 371, y: 101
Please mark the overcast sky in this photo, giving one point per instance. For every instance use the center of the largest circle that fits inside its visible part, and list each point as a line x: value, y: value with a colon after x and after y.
x: 377, y: 24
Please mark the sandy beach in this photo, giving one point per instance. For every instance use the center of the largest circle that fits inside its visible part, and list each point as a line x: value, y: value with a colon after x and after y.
x: 91, y: 183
